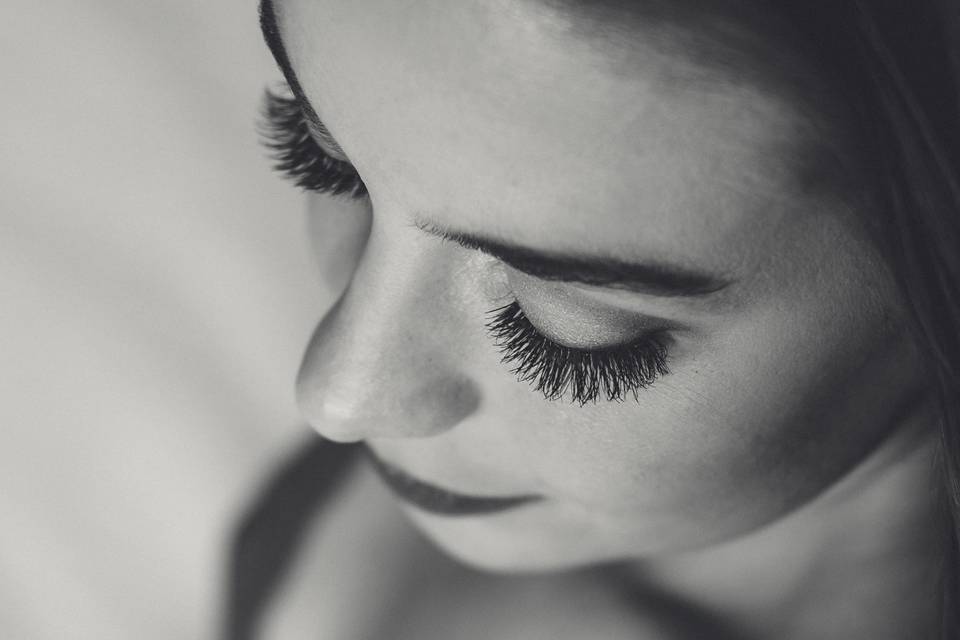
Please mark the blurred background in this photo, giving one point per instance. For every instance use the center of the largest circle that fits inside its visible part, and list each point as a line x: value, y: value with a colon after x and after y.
x: 157, y: 291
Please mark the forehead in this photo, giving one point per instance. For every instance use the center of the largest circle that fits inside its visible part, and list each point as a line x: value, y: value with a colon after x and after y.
x: 512, y: 118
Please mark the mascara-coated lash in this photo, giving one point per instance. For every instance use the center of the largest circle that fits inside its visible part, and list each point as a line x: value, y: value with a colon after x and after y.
x: 297, y: 155
x: 586, y: 374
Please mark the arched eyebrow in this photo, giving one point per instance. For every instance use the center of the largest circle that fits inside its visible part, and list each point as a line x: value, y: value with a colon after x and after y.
x: 648, y: 278
x: 271, y: 35
x: 655, y: 279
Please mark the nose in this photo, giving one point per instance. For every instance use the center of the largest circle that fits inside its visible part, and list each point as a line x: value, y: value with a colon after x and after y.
x: 383, y: 362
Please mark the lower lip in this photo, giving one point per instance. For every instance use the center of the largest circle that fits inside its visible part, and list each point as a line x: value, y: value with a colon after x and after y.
x: 440, y: 501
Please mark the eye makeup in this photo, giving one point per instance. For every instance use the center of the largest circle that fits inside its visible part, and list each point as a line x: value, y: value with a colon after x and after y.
x: 299, y: 157
x: 586, y: 375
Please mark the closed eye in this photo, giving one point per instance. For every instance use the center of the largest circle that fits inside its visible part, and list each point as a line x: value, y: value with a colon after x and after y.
x: 298, y: 156
x: 586, y: 375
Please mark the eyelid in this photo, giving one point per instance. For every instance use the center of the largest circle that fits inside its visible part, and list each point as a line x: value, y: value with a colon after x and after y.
x: 299, y: 156
x: 317, y: 129
x: 585, y: 374
x: 588, y: 331
x: 326, y: 140
x: 606, y: 317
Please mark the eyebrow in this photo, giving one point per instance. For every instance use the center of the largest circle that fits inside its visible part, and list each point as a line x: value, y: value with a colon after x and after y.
x: 653, y: 279
x: 649, y: 278
x: 271, y: 35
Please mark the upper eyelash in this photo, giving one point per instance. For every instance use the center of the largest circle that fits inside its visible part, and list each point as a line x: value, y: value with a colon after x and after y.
x: 298, y: 156
x: 554, y: 369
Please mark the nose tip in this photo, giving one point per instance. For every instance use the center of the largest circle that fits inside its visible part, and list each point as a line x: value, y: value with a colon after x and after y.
x: 332, y: 419
x: 344, y: 414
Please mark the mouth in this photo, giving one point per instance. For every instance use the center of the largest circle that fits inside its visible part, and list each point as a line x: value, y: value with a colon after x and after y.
x: 441, y: 501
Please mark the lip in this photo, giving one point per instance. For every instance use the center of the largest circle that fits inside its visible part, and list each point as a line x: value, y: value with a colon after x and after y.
x: 441, y: 501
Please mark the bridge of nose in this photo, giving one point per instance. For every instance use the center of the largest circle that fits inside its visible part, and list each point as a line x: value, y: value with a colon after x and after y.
x: 386, y: 352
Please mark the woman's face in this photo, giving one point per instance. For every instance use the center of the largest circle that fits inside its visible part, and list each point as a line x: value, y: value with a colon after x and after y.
x: 644, y: 200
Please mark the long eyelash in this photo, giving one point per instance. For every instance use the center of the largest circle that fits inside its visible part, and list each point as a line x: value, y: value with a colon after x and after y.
x: 555, y: 370
x: 298, y: 156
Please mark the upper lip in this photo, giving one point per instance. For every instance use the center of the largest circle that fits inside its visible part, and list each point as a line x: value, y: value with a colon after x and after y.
x: 437, y: 499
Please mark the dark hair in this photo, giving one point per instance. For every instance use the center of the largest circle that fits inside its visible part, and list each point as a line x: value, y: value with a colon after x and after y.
x: 896, y: 64
x: 900, y: 63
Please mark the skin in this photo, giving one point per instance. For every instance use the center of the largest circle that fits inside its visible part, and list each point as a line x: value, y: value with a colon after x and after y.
x: 787, y: 451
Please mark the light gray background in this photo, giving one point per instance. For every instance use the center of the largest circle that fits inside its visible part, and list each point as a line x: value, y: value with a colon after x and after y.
x: 156, y: 293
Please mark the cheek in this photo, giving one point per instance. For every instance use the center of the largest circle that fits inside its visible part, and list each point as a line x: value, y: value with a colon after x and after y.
x: 799, y: 395
x: 751, y: 424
